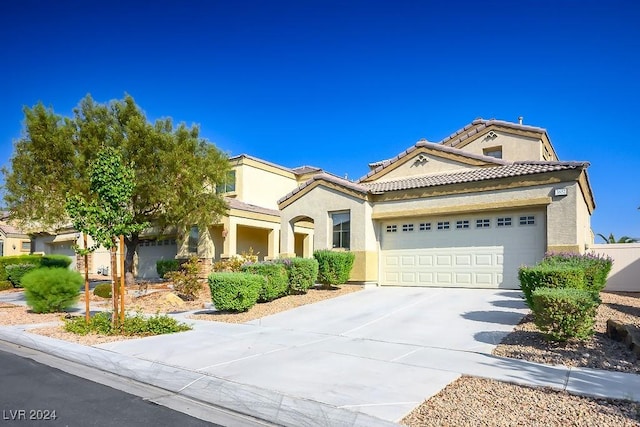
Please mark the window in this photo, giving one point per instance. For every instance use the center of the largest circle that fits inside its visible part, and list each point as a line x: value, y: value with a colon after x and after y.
x: 25, y: 247
x: 483, y: 223
x: 495, y: 152
x: 462, y: 224
x: 504, y: 222
x: 407, y: 227
x: 425, y: 226
x: 194, y: 236
x: 341, y: 229
x: 229, y: 185
x: 392, y: 228
x: 443, y: 225
x: 528, y: 220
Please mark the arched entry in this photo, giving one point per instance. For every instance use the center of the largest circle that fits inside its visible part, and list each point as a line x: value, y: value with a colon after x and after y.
x: 303, y: 227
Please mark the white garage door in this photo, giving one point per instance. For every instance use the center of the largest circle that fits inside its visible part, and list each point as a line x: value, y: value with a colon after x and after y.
x: 150, y: 251
x: 64, y: 248
x: 479, y: 251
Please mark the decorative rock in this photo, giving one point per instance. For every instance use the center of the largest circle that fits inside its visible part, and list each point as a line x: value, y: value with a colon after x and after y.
x: 628, y: 334
x: 173, y: 300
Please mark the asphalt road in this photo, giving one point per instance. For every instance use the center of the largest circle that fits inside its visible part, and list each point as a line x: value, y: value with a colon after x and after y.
x: 34, y: 393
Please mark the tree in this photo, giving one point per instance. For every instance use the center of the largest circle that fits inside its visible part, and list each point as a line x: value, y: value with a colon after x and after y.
x: 174, y: 169
x: 104, y: 213
x: 612, y: 239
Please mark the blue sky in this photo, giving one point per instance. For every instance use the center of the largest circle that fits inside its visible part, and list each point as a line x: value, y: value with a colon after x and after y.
x: 339, y: 84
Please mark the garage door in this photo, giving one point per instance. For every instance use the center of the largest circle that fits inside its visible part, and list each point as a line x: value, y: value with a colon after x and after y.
x: 64, y: 248
x: 478, y: 251
x: 150, y: 251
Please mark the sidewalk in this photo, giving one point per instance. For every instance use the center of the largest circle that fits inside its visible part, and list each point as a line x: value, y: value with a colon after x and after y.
x: 294, y: 369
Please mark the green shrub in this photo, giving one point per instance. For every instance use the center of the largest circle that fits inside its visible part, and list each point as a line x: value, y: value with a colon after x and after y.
x: 185, y: 281
x: 5, y: 284
x: 58, y: 261
x: 334, y: 267
x: 235, y: 291
x: 276, y: 280
x: 564, y: 313
x: 15, y: 272
x: 136, y: 325
x: 164, y: 266
x: 51, y: 289
x: 103, y: 290
x: 235, y: 263
x: 549, y: 276
x: 596, y: 268
x: 303, y: 274
x: 18, y: 259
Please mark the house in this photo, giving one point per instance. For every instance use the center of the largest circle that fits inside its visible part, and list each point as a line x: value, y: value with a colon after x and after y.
x: 13, y: 241
x: 252, y: 223
x: 466, y: 211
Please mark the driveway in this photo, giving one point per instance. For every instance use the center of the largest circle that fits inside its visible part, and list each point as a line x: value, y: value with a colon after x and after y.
x: 380, y: 351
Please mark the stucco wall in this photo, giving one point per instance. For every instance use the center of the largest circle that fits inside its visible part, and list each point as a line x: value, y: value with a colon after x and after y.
x: 261, y: 187
x: 514, y: 147
x: 9, y: 243
x: 625, y: 273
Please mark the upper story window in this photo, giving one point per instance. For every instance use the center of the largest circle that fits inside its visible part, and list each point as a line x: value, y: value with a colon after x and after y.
x: 229, y: 185
x: 495, y: 152
x: 194, y: 236
x: 341, y: 229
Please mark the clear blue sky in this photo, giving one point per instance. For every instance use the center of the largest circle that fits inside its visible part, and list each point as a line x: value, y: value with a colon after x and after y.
x: 339, y: 84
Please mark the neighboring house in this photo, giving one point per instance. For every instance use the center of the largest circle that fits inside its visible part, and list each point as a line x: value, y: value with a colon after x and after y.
x: 13, y: 241
x: 466, y: 211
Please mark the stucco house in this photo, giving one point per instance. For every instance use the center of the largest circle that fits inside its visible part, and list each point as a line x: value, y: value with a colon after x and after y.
x: 13, y: 241
x: 466, y: 211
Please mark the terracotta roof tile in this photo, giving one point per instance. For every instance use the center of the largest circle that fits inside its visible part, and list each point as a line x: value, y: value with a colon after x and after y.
x: 329, y: 178
x: 10, y: 229
x: 479, y: 174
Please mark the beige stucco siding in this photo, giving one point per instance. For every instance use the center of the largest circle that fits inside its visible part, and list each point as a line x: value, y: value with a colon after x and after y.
x: 514, y: 147
x: 14, y: 246
x: 415, y: 166
x: 259, y: 187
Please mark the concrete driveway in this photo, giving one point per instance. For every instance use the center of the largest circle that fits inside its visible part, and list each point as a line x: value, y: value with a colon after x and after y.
x: 380, y: 351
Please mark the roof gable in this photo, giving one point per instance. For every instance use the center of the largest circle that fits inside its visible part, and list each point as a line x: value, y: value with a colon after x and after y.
x: 426, y: 158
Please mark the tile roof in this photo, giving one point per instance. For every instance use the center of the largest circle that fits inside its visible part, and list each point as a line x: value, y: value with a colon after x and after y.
x: 10, y: 229
x: 301, y: 170
x: 237, y: 204
x: 329, y: 178
x: 479, y: 124
x: 480, y: 174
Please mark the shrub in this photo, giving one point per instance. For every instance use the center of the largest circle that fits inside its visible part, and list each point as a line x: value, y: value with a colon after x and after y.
x: 136, y: 325
x: 303, y: 274
x: 185, y: 281
x: 103, y: 290
x: 549, y: 276
x: 563, y: 313
x: 596, y: 268
x: 19, y: 259
x: 15, y: 272
x: 235, y: 291
x: 235, y: 263
x: 164, y: 266
x: 51, y: 289
x: 5, y: 284
x: 59, y: 261
x: 276, y: 280
x: 334, y: 267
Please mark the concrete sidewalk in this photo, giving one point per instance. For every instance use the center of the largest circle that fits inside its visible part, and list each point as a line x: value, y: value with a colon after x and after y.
x: 366, y: 358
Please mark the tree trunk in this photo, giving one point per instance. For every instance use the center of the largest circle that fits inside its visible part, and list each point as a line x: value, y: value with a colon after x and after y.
x: 131, y: 242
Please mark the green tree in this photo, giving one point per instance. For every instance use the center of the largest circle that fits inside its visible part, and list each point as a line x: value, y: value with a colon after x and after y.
x: 612, y: 239
x: 175, y: 169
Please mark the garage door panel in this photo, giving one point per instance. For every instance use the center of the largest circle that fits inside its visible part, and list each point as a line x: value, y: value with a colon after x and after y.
x: 467, y: 257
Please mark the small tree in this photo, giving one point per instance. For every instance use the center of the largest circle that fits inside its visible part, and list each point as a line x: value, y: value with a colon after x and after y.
x: 106, y: 215
x: 611, y: 239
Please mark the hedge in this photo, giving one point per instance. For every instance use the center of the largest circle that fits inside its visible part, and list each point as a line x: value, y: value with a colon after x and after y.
x: 334, y: 267
x: 549, y: 276
x: 235, y: 291
x: 103, y: 290
x: 17, y: 271
x: 596, y: 268
x: 303, y: 274
x: 163, y: 266
x: 18, y: 259
x: 276, y: 280
x: 51, y: 289
x: 564, y: 313
x: 59, y: 261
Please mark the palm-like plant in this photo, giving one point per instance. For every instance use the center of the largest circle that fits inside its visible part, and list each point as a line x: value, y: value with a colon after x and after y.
x: 612, y: 239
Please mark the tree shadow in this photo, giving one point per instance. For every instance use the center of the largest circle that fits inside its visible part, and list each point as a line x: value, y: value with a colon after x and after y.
x: 494, y: 316
x: 516, y: 304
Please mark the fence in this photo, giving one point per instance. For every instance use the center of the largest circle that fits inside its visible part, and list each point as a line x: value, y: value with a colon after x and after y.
x: 625, y: 274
